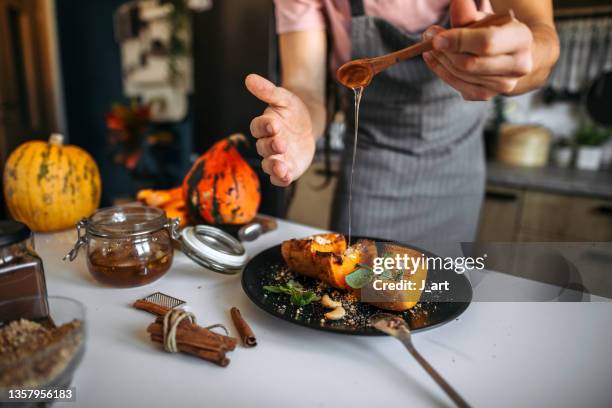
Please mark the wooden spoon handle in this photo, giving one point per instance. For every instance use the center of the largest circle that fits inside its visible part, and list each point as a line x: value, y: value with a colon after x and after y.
x: 383, y: 62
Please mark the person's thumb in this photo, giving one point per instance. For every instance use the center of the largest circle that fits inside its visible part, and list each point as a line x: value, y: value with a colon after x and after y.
x: 463, y: 12
x: 266, y: 91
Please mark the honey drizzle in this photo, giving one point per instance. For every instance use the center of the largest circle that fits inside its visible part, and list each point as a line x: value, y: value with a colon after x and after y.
x: 357, y: 92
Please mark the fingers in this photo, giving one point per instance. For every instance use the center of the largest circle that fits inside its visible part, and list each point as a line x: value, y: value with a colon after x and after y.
x: 506, y: 39
x: 272, y: 148
x: 279, y: 182
x: 269, y: 146
x: 266, y: 91
x: 481, y: 62
x: 499, y: 84
x: 511, y: 65
x: 277, y: 169
x: 470, y: 92
x: 264, y: 126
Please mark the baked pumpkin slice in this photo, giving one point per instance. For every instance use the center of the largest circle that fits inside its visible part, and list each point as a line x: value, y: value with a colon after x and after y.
x: 326, y: 257
x: 396, y: 300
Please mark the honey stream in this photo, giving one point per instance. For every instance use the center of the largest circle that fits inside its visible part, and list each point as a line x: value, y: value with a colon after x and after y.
x: 358, y: 92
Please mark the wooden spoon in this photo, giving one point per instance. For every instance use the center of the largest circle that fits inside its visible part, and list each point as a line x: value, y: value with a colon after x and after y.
x: 359, y: 73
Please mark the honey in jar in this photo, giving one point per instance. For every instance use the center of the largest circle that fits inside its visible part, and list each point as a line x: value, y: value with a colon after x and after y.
x: 127, y: 246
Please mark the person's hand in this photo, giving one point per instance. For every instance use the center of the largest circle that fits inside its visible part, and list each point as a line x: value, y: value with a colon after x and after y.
x: 284, y: 132
x: 479, y: 62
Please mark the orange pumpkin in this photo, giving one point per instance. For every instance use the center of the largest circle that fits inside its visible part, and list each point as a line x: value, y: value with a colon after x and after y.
x: 160, y: 198
x: 171, y: 201
x: 50, y: 186
x: 221, y: 187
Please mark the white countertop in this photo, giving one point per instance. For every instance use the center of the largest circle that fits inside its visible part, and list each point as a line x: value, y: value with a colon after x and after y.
x: 495, y: 354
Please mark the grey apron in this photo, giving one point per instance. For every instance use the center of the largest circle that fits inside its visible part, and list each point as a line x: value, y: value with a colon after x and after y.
x: 420, y: 167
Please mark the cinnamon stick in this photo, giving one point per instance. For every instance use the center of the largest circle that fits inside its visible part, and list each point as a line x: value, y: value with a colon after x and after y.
x: 190, y: 338
x: 215, y: 356
x: 196, y: 335
x: 150, y: 307
x: 196, y: 344
x: 244, y: 330
x: 203, y: 331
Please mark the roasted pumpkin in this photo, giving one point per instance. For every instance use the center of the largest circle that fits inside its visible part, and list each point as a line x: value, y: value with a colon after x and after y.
x: 50, y: 186
x: 326, y: 257
x: 397, y: 300
x: 221, y: 187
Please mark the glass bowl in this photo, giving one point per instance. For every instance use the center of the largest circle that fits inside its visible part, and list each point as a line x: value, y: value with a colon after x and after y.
x: 50, y: 366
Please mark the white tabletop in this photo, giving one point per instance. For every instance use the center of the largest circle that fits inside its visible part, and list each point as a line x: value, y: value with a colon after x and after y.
x: 495, y: 354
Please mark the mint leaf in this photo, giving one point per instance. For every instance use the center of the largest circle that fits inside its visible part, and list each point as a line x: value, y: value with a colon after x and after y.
x: 303, y: 298
x: 273, y: 289
x: 298, y: 296
x: 294, y: 285
x: 299, y: 300
x: 296, y: 299
x: 309, y: 297
x: 359, y: 278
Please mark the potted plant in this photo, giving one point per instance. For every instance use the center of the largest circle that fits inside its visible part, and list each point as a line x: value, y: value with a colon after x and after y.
x: 563, y: 151
x: 589, y: 139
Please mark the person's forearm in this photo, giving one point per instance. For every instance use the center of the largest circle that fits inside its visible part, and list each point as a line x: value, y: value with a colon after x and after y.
x: 316, y: 108
x: 545, y: 54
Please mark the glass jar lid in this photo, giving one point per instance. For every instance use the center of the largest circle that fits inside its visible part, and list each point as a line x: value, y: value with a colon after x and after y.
x: 213, y: 248
x: 125, y: 220
x: 122, y: 221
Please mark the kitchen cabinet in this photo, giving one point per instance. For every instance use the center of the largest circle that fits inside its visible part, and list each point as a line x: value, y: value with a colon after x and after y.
x: 567, y: 218
x: 546, y: 204
x: 512, y: 214
x: 28, y: 88
x: 500, y: 214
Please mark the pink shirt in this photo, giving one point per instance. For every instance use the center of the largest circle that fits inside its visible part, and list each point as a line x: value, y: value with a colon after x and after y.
x: 311, y: 15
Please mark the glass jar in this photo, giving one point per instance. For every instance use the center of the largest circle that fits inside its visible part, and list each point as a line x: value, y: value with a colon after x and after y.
x: 127, y: 246
x: 21, y: 274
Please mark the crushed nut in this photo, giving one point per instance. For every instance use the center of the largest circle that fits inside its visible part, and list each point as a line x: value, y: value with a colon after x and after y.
x: 327, y: 302
x: 336, y: 314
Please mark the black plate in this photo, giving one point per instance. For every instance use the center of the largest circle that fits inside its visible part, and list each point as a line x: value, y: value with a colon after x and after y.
x: 435, y: 310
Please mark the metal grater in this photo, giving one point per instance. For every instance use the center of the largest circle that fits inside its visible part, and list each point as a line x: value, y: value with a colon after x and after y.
x: 161, y: 299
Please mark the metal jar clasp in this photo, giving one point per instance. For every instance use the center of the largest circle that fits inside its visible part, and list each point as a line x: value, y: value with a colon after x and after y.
x: 81, y: 240
x: 173, y: 227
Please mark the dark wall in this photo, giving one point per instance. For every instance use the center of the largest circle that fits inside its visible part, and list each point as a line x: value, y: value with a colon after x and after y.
x: 91, y: 69
x: 230, y: 41
x: 233, y: 39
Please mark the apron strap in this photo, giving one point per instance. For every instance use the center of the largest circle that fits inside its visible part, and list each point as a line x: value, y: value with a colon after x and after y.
x: 357, y: 8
